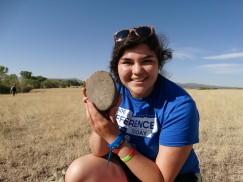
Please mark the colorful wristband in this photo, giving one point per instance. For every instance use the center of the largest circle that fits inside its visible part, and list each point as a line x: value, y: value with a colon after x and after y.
x: 117, y: 142
x: 115, y: 145
x: 129, y: 156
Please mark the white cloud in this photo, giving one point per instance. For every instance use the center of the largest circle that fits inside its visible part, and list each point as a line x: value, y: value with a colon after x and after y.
x: 185, y: 53
x: 224, y: 68
x: 182, y: 55
x: 226, y: 56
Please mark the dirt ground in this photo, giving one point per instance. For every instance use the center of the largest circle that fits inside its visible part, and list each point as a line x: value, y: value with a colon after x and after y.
x: 42, y: 132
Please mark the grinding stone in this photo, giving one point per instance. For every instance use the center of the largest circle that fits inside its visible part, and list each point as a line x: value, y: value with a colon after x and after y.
x: 101, y: 90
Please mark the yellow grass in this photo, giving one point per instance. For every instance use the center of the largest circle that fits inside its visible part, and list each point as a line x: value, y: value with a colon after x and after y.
x: 42, y: 132
x: 221, y: 134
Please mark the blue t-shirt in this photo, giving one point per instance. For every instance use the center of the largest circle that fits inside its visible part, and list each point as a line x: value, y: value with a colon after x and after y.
x: 168, y: 117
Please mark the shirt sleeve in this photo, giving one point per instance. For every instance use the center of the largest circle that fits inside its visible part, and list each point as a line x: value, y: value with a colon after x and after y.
x: 180, y: 124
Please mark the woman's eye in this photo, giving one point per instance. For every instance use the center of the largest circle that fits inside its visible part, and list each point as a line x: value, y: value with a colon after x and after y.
x: 127, y: 62
x: 147, y: 61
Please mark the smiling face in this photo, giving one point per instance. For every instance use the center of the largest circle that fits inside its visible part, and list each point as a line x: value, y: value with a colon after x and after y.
x: 138, y: 70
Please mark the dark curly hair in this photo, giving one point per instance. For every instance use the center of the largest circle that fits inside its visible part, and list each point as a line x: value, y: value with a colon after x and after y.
x: 155, y: 43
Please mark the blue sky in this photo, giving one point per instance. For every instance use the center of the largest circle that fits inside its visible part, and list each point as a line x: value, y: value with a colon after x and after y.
x: 72, y: 39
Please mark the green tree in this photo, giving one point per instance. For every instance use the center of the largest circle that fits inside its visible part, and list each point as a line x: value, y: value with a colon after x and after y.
x: 26, y: 74
x: 39, y: 78
x: 50, y: 84
x: 63, y: 83
x: 73, y: 83
x: 26, y: 85
x: 3, y: 71
x: 10, y: 80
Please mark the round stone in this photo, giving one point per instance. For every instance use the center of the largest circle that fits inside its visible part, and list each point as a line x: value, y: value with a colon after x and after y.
x: 101, y: 90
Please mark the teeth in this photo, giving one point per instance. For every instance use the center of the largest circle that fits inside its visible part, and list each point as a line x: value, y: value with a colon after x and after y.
x: 138, y: 80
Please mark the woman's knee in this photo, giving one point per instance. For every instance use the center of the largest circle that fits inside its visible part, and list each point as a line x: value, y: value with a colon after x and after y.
x: 92, y: 168
x: 77, y: 171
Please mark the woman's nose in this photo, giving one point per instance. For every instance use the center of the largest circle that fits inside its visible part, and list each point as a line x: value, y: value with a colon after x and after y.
x: 137, y: 68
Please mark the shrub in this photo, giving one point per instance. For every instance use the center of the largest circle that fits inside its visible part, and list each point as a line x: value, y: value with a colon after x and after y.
x: 4, y: 89
x: 26, y: 88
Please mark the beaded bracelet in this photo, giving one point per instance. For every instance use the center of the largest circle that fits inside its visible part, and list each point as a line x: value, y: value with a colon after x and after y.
x: 129, y: 156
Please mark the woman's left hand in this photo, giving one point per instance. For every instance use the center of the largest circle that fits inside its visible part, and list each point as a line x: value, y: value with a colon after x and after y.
x: 105, y: 127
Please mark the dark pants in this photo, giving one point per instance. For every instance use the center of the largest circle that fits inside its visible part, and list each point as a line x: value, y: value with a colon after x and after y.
x: 189, y: 177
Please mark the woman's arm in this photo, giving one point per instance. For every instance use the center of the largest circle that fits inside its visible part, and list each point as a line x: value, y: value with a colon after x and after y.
x: 98, y: 145
x: 171, y: 159
x: 167, y: 166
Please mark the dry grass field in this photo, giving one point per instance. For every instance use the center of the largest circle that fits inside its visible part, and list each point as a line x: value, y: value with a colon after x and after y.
x: 43, y: 131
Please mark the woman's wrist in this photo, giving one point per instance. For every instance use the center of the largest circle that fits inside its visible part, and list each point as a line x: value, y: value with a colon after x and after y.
x: 111, y: 137
x: 114, y: 145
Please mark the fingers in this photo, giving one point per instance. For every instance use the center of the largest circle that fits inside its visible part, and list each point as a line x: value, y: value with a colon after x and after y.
x: 94, y: 117
x: 84, y: 91
x: 88, y: 116
x: 104, y: 127
x: 87, y: 109
x: 85, y: 98
x: 94, y: 113
x: 97, y: 121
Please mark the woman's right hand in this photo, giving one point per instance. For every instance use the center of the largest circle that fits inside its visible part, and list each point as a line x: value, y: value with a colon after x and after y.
x: 106, y: 127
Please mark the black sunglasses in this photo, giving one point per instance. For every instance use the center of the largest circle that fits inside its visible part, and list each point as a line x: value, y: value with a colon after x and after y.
x: 139, y: 31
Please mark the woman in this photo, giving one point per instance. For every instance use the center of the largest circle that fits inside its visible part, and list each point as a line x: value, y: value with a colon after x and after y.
x: 152, y: 128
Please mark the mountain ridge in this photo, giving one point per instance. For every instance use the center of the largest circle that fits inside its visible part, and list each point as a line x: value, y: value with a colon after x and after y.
x: 204, y: 86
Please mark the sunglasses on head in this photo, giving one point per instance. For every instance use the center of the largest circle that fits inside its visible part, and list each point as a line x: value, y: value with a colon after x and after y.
x: 139, y: 31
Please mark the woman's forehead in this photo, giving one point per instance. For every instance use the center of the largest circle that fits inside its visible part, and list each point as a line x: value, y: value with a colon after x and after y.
x: 141, y: 50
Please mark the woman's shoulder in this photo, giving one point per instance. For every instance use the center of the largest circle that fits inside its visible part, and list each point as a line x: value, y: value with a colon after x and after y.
x: 173, y: 93
x: 171, y: 88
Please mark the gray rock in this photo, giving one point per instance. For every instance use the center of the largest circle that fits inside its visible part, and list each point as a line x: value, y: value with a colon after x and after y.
x: 101, y: 90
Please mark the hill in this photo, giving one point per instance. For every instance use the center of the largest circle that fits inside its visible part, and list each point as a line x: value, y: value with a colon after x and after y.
x: 203, y: 86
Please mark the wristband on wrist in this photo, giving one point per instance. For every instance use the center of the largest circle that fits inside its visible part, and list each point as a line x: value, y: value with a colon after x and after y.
x: 115, y: 145
x: 117, y: 142
x: 129, y: 156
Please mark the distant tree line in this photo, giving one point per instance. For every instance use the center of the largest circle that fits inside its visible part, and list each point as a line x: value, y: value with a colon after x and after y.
x: 28, y: 82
